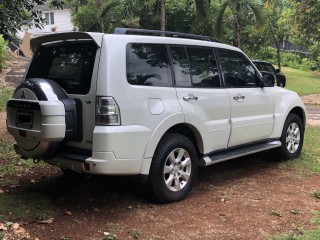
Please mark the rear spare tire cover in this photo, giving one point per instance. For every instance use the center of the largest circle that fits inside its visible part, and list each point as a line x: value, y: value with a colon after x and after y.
x: 36, y: 117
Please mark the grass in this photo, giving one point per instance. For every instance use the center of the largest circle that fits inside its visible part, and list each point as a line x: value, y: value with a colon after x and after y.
x: 14, y: 163
x: 302, y: 82
x: 24, y: 203
x: 309, y: 161
x: 300, y: 234
x: 5, y: 93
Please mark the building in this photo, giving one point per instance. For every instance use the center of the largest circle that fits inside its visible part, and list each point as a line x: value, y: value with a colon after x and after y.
x: 56, y: 20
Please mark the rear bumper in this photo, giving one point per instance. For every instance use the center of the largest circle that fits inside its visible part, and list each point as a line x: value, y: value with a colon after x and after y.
x: 101, y: 163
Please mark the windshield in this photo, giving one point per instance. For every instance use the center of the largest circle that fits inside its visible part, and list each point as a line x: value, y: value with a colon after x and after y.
x: 69, y: 64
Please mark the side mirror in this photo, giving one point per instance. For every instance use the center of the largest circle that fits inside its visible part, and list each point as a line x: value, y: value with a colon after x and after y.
x: 268, y: 79
x: 277, y: 70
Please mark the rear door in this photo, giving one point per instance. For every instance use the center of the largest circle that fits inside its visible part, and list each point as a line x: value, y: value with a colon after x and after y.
x: 252, y: 108
x: 71, y: 64
x: 205, y: 104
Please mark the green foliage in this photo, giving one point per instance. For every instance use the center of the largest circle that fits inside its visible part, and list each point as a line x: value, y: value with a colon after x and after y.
x: 3, y: 52
x: 96, y: 15
x: 15, y: 13
x: 288, y: 59
x: 306, y: 19
x: 242, y: 14
x: 295, y: 211
x: 136, y: 234
x: 5, y: 93
x: 110, y: 237
x: 316, y: 195
x: 275, y: 213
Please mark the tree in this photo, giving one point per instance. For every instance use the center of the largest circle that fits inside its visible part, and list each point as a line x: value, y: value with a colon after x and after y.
x: 277, y: 24
x: 96, y: 15
x: 306, y: 18
x: 17, y: 13
x: 239, y: 11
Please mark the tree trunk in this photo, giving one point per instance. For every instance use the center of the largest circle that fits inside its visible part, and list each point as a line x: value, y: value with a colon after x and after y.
x: 238, y: 26
x: 237, y: 32
x: 276, y: 43
x: 162, y: 15
x: 278, y: 57
x: 100, y: 4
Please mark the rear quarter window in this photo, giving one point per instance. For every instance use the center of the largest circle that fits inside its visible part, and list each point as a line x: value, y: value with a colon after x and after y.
x: 68, y: 64
x: 148, y: 65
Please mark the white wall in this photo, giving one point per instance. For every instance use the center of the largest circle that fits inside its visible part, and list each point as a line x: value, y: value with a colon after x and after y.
x: 62, y: 22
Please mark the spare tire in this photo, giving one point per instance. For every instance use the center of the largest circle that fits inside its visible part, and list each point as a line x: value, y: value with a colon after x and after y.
x: 36, y: 117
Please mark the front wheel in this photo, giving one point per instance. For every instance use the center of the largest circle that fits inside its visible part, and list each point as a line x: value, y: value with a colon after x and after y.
x: 292, y: 137
x: 173, y: 169
x: 281, y: 84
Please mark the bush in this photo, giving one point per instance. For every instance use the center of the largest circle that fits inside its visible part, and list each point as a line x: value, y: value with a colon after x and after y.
x: 268, y: 54
x: 3, y: 52
x: 288, y: 59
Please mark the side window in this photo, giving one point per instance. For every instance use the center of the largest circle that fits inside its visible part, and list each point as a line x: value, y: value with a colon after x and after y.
x: 181, y: 66
x: 270, y: 68
x: 148, y: 65
x: 237, y: 69
x: 204, y: 71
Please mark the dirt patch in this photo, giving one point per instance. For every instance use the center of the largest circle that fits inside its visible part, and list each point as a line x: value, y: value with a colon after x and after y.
x: 313, y: 99
x: 248, y: 198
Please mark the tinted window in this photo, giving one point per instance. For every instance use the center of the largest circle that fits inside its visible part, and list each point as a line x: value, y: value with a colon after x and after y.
x: 203, y: 67
x: 181, y: 66
x: 148, y: 64
x: 68, y: 64
x: 237, y: 69
x: 264, y: 67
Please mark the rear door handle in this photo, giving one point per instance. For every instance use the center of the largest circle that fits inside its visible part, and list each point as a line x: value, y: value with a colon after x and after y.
x: 190, y: 98
x: 239, y: 98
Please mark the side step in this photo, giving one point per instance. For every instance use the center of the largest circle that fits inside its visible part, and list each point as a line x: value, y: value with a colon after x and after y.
x: 228, y: 154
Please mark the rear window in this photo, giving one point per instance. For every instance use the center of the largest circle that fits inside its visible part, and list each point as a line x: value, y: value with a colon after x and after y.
x: 68, y: 64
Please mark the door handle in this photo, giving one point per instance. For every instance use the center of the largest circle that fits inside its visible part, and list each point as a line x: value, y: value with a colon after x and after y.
x: 239, y: 98
x: 190, y: 98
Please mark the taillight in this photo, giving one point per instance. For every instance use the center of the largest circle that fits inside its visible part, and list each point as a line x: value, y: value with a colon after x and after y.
x: 107, y: 112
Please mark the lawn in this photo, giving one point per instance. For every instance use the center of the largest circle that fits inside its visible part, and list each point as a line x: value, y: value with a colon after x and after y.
x: 302, y: 82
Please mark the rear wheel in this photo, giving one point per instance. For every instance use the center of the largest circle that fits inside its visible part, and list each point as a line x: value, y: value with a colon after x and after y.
x: 291, y: 138
x: 173, y: 169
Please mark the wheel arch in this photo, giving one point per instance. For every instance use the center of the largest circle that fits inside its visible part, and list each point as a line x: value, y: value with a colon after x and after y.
x: 301, y: 114
x: 174, y: 124
x: 294, y: 108
x: 180, y: 127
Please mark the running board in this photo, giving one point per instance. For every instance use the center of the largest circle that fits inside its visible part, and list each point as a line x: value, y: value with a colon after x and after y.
x: 237, y: 152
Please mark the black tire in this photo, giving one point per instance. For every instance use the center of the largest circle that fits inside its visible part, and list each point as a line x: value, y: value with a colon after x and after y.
x: 291, y: 138
x: 183, y: 172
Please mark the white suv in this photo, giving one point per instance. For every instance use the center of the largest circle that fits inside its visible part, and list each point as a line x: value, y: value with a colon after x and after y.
x: 151, y: 104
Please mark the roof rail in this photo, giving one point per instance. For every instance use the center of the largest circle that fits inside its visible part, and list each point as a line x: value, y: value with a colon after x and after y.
x: 134, y: 31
